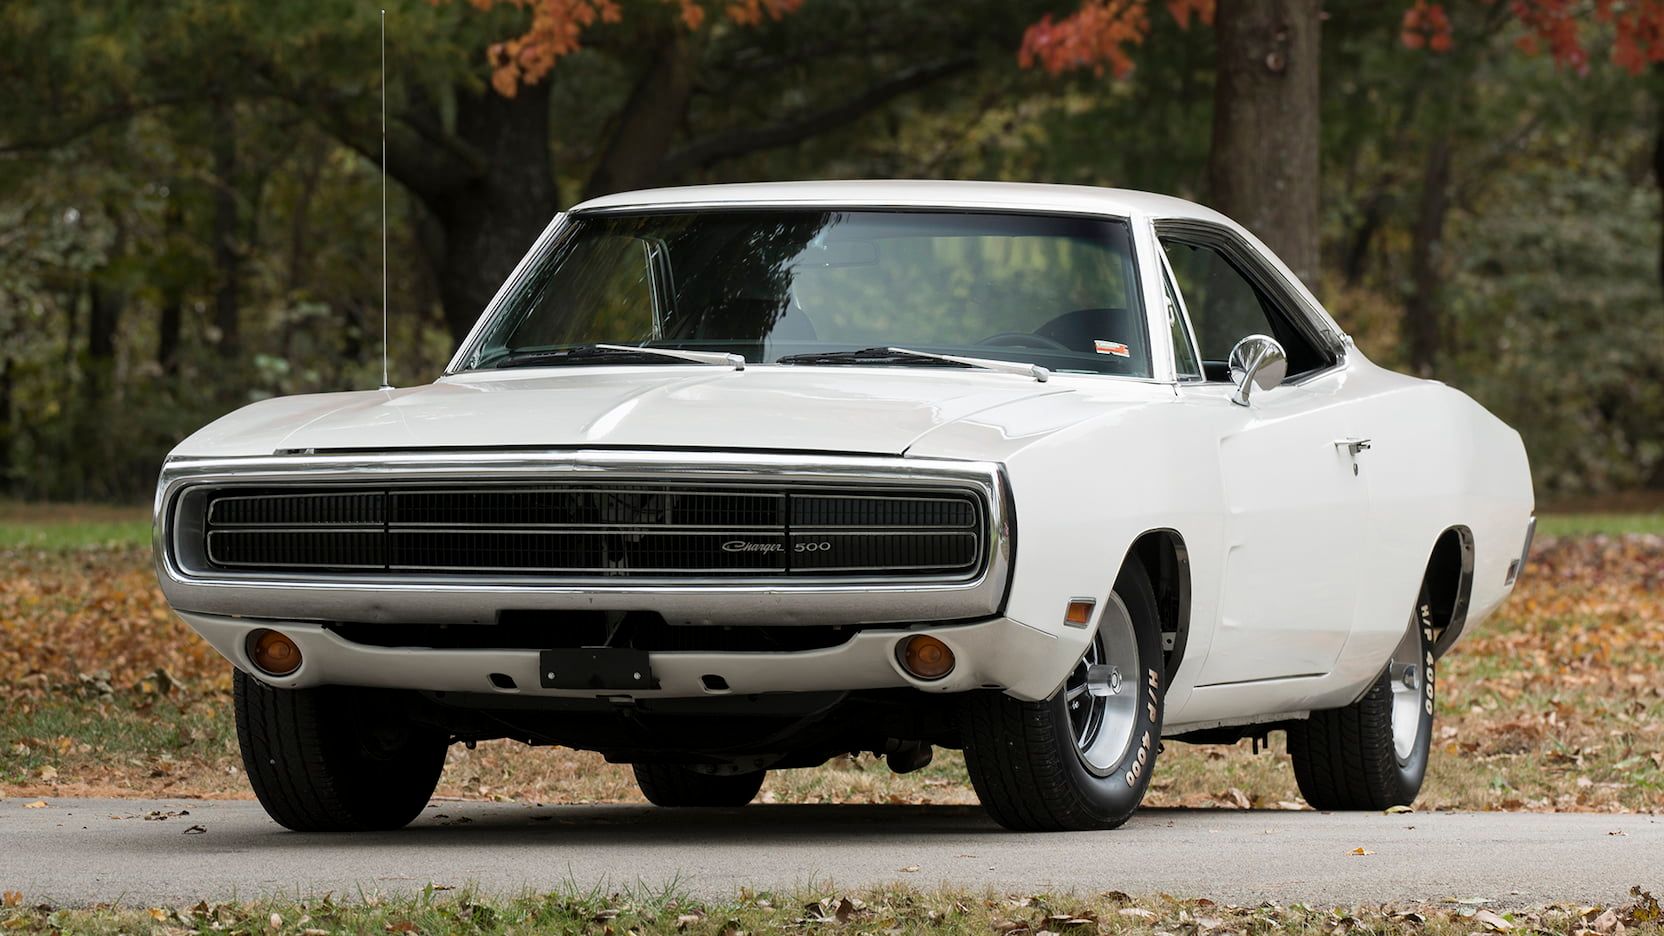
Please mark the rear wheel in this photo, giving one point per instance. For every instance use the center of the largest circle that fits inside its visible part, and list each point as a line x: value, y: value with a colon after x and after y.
x: 1081, y: 759
x: 335, y: 759
x: 678, y: 785
x: 1372, y: 754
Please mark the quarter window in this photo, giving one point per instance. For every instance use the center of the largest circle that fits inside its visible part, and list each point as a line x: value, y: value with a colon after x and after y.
x: 1185, y: 364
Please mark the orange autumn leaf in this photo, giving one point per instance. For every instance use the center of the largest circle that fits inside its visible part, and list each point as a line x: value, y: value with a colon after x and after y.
x: 1558, y: 27
x: 557, y: 28
x: 1100, y: 33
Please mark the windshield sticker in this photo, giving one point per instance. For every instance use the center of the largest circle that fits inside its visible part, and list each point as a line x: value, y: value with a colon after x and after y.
x: 1111, y: 347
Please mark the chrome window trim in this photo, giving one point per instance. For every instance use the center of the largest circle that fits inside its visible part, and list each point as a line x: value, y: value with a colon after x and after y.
x: 683, y: 599
x: 1318, y: 327
x: 1172, y: 296
x: 557, y: 225
x: 546, y: 242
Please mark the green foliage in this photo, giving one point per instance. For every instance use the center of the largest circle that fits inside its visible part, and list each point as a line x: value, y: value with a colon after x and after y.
x: 1558, y: 326
x: 170, y: 169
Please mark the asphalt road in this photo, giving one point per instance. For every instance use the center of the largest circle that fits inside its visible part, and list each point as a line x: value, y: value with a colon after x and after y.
x: 74, y: 852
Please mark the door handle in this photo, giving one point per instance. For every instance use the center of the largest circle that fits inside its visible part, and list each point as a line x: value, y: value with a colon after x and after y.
x: 1353, y: 446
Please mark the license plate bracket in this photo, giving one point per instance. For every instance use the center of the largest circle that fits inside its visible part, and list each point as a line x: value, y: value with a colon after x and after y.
x: 604, y: 669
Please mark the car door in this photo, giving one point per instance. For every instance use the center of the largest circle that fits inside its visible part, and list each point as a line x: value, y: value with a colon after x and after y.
x: 1293, y: 506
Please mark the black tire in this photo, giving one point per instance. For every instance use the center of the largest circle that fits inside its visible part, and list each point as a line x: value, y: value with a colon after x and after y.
x: 335, y: 759
x: 1345, y: 758
x: 676, y: 785
x: 1022, y: 756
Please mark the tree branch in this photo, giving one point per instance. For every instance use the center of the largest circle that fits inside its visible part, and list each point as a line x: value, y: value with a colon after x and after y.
x: 422, y: 157
x: 76, y: 131
x: 733, y: 143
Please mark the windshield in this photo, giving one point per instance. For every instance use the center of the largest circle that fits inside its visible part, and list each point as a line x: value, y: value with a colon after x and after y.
x: 814, y: 286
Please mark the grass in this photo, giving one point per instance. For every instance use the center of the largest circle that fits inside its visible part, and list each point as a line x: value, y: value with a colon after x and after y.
x: 1552, y: 705
x: 58, y: 527
x: 888, y: 911
x: 1590, y: 524
x: 66, y: 536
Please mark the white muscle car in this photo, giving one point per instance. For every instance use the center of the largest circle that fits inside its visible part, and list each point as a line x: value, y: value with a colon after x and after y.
x: 732, y: 479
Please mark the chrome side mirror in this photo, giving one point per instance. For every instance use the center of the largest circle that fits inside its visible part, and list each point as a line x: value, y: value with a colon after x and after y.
x: 1256, y: 361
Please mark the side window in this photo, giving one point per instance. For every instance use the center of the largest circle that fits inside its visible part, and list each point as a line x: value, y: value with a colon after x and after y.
x: 1185, y: 365
x: 1225, y: 306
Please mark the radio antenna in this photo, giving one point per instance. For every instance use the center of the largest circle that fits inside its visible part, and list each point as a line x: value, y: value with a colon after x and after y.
x: 385, y: 383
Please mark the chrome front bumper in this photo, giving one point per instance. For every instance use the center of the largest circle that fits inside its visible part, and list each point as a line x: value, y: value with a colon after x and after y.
x: 995, y: 653
x: 437, y: 598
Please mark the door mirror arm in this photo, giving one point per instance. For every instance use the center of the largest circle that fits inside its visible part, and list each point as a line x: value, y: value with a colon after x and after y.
x: 1256, y: 361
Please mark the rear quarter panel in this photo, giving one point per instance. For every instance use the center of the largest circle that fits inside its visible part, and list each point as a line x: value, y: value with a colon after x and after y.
x: 1438, y: 460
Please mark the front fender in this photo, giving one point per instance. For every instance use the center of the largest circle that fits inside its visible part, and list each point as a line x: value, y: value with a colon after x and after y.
x: 1088, y: 478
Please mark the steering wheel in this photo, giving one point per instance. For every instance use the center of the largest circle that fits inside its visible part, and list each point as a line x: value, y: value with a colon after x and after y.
x: 1022, y: 340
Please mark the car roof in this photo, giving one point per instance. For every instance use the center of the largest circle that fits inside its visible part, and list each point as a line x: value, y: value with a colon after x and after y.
x: 1022, y: 196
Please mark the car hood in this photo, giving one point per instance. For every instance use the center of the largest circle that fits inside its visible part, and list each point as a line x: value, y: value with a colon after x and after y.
x: 864, y: 410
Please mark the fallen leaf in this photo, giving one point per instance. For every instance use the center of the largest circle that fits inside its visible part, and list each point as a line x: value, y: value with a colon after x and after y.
x: 1645, y: 909
x: 194, y: 830
x: 1399, y: 810
x: 1360, y: 850
x: 37, y: 804
x: 910, y: 869
x: 11, y: 899
x: 1491, y: 921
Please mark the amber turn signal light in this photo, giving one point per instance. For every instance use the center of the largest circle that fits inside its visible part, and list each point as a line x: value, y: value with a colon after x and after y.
x: 926, y: 657
x: 273, y: 653
x: 1079, y: 612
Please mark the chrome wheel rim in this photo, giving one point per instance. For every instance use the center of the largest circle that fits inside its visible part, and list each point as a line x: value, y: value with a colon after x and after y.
x: 1408, y: 678
x: 1101, y: 694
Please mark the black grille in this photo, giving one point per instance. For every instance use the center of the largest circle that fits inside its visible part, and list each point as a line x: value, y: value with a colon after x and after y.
x: 615, y: 529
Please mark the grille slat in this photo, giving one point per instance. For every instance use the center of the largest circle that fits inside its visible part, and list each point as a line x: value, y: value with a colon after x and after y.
x: 602, y: 530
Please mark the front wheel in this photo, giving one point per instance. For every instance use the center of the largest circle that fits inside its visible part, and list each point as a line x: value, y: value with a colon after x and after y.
x: 335, y: 759
x: 1372, y: 754
x: 1081, y: 759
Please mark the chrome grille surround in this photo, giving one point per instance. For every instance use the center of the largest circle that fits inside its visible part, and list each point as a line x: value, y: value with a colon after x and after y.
x: 808, y: 595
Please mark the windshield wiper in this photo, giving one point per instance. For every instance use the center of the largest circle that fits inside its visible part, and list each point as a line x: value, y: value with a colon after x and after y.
x: 589, y: 352
x: 894, y: 355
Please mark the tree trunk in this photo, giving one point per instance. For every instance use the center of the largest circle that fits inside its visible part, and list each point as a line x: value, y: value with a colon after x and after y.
x: 1658, y: 176
x: 1423, y: 313
x: 102, y: 322
x: 1263, y: 166
x: 227, y: 256
x: 300, y: 218
x: 1362, y: 237
x: 490, y: 220
x: 173, y: 290
x: 641, y: 139
x: 6, y: 485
